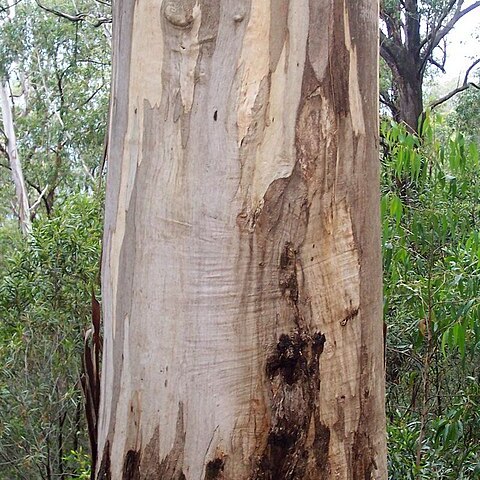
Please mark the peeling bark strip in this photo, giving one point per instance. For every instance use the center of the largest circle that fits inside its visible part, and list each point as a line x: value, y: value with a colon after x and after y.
x: 241, y: 275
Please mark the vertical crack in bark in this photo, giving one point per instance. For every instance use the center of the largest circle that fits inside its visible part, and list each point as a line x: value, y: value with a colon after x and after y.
x: 104, y: 472
x: 363, y: 453
x: 288, y: 274
x: 131, y: 466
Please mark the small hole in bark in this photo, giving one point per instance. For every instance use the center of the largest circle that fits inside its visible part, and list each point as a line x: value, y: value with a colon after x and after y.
x: 318, y: 342
x: 283, y: 438
x: 215, y: 115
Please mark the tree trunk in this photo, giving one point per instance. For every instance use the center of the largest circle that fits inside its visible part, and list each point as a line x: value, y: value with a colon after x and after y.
x: 242, y: 272
x: 14, y: 161
x: 410, y: 99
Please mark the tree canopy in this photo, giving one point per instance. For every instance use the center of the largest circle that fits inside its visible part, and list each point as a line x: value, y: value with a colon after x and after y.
x: 413, y: 38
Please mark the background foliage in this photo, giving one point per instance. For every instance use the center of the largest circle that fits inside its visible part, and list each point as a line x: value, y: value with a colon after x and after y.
x: 431, y: 245
x: 45, y: 295
x: 59, y: 74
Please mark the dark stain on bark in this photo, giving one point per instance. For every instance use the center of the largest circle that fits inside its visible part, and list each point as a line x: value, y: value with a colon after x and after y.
x: 131, y: 466
x: 363, y: 453
x: 214, y: 469
x: 293, y: 370
x: 145, y: 465
x: 352, y: 314
x: 363, y: 461
x: 321, y: 445
x: 290, y: 360
x: 171, y: 466
x: 104, y: 470
x: 340, y: 57
x: 150, y: 464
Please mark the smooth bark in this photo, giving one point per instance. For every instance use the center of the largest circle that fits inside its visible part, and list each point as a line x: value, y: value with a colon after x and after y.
x: 23, y: 209
x: 241, y: 272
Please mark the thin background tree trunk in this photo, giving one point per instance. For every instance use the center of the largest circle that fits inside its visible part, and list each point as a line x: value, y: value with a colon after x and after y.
x: 241, y: 270
x: 23, y: 209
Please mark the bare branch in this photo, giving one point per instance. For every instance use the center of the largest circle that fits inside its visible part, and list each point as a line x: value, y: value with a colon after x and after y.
x: 436, y: 28
x: 439, y: 33
x: 440, y: 66
x: 7, y: 9
x: 387, y: 102
x: 102, y: 21
x: 466, y: 84
x: 393, y: 28
x: 79, y: 17
x: 33, y: 208
x: 391, y: 52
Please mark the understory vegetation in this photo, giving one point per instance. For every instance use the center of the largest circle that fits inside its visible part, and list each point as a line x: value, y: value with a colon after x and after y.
x: 431, y: 251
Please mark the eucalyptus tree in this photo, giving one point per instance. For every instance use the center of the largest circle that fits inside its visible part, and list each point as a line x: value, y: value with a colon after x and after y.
x: 413, y: 36
x: 241, y: 272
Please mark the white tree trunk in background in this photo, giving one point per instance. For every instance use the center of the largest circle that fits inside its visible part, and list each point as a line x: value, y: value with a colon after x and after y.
x: 242, y: 269
x: 23, y: 209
